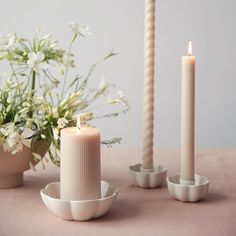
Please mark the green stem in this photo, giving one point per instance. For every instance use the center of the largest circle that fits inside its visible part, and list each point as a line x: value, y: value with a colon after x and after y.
x: 67, y: 66
x: 96, y: 107
x: 17, y: 80
x: 33, y: 82
x: 32, y: 89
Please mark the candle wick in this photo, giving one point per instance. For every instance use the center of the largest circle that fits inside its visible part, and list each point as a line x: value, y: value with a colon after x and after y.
x: 78, y: 123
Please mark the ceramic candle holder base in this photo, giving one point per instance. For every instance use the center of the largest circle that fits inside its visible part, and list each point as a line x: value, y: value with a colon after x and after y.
x: 79, y: 210
x: 185, y: 192
x: 153, y: 178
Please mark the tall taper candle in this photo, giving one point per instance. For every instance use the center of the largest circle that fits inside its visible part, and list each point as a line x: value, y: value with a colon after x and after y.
x: 80, y: 174
x: 149, y: 63
x: 187, y: 118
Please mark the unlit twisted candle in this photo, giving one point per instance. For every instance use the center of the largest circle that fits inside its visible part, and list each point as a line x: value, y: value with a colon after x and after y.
x: 149, y: 63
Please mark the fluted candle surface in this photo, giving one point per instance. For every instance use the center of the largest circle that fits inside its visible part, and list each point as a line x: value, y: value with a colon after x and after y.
x: 187, y: 118
x: 80, y: 174
x: 149, y: 63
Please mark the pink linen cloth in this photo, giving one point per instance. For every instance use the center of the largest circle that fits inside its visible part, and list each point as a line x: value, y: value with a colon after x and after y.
x: 137, y: 212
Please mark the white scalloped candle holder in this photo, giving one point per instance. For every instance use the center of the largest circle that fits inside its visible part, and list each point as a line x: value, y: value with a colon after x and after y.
x: 184, y: 192
x: 148, y: 179
x: 79, y: 210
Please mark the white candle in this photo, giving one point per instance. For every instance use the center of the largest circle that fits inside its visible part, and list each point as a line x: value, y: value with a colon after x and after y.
x: 80, y: 174
x: 187, y: 118
x: 149, y: 63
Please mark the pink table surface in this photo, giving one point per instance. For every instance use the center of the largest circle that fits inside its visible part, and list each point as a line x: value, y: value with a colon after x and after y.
x: 136, y: 211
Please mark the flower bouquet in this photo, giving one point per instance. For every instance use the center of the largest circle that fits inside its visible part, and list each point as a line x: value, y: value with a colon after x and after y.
x: 33, y: 111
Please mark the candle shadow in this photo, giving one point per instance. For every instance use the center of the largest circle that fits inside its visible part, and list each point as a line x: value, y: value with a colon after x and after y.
x: 121, y: 210
x: 214, y: 197
x: 36, y: 182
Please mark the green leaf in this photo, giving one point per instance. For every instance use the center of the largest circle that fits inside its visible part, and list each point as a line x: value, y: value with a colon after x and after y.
x: 36, y: 155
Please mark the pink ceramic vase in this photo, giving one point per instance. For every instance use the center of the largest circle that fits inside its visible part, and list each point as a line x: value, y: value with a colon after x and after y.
x: 12, y: 167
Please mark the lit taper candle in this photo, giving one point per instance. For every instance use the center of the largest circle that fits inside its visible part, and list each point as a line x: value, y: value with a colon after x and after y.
x: 187, y: 118
x: 80, y: 174
x: 149, y: 63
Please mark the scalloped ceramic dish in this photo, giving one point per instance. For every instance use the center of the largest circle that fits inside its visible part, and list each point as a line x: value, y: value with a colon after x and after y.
x: 79, y: 210
x: 148, y: 180
x: 188, y: 193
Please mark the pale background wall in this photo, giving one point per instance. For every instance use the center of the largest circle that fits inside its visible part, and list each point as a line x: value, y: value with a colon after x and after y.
x: 119, y: 23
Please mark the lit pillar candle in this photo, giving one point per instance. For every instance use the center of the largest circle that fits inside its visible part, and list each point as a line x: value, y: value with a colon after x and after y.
x: 187, y: 118
x: 149, y: 63
x: 80, y: 174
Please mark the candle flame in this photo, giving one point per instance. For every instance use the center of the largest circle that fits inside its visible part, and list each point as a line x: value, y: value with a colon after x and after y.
x: 190, y: 49
x: 78, y: 122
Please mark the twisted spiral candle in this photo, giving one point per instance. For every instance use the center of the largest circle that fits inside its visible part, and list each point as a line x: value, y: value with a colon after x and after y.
x: 149, y: 63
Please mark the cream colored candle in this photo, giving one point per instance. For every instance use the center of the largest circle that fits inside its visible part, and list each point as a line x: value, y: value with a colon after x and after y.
x: 149, y: 63
x: 187, y: 118
x: 80, y: 174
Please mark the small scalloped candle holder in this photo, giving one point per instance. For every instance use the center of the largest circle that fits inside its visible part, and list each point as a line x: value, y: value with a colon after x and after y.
x: 151, y: 178
x: 188, y: 192
x: 83, y: 210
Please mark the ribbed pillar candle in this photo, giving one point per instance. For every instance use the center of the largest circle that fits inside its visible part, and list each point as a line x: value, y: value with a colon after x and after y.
x: 149, y: 63
x: 80, y: 174
x: 187, y: 118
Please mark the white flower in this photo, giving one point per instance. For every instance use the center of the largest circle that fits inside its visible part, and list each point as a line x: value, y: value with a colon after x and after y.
x: 62, y: 122
x: 79, y: 103
x: 15, y: 142
x: 10, y: 100
x: 36, y: 61
x: 24, y: 111
x: 121, y: 98
x: 61, y: 68
x: 48, y: 41
x: 17, y: 100
x: 104, y: 86
x: 74, y: 100
x: 81, y: 30
x: 37, y: 30
x: 47, y: 36
x: 9, y: 129
x: 55, y: 133
x: 7, y: 41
